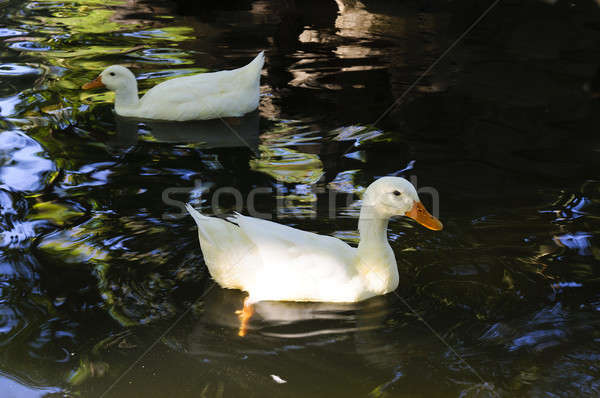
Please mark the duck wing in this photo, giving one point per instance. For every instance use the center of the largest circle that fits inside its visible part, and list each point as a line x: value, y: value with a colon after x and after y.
x: 272, y: 261
x: 299, y: 265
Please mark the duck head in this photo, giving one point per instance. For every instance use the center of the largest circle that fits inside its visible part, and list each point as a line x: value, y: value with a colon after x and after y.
x: 120, y: 80
x: 115, y: 78
x: 395, y: 196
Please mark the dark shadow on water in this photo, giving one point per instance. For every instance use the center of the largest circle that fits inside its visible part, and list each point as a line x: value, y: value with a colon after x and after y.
x: 215, y: 133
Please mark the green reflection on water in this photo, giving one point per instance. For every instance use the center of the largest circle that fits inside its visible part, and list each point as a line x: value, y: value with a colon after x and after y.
x: 288, y: 165
x: 57, y: 213
x: 92, y: 20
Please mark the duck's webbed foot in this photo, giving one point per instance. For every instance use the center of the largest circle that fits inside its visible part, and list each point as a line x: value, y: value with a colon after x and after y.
x: 245, y: 314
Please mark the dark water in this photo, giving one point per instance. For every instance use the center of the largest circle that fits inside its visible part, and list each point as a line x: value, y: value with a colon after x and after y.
x: 97, y: 268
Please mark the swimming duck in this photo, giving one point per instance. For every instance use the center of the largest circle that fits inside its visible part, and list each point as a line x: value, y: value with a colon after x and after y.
x: 275, y: 262
x: 228, y: 93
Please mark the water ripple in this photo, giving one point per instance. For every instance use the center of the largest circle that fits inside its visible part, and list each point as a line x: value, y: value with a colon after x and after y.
x: 29, y: 46
x: 4, y: 32
x: 22, y: 168
x: 17, y: 70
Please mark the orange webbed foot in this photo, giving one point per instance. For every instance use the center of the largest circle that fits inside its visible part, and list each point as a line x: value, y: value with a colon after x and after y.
x: 245, y: 314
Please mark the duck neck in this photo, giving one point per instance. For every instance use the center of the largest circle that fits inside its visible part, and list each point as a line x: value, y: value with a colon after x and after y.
x: 377, y: 262
x: 372, y: 228
x: 127, y: 96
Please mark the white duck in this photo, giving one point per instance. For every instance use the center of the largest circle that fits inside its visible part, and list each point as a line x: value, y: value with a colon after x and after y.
x: 228, y: 93
x: 271, y: 261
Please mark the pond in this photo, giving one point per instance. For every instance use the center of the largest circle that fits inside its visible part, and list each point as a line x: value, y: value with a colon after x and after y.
x: 103, y: 287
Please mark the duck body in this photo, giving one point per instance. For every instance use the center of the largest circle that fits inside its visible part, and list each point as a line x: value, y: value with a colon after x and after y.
x: 276, y: 262
x: 271, y: 261
x: 229, y: 93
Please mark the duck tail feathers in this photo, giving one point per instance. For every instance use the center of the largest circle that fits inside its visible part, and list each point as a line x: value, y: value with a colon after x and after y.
x: 260, y: 58
x: 257, y: 63
x: 202, y: 222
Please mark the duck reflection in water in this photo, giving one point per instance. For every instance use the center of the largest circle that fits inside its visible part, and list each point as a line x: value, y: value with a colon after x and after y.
x: 283, y: 319
x: 215, y: 133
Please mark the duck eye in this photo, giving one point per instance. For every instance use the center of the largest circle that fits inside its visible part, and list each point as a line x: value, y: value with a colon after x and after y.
x: 397, y: 193
x: 112, y: 73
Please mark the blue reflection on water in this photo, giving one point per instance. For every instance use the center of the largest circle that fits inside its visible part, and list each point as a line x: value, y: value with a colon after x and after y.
x: 13, y: 389
x: 8, y: 105
x: 21, y: 166
x: 29, y: 46
x: 17, y: 70
x: 579, y: 241
x: 10, y: 32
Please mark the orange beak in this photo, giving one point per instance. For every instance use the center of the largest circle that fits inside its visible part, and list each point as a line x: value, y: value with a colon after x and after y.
x: 97, y: 82
x: 422, y: 216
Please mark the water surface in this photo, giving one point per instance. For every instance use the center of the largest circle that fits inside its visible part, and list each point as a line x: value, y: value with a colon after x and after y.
x: 97, y: 266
